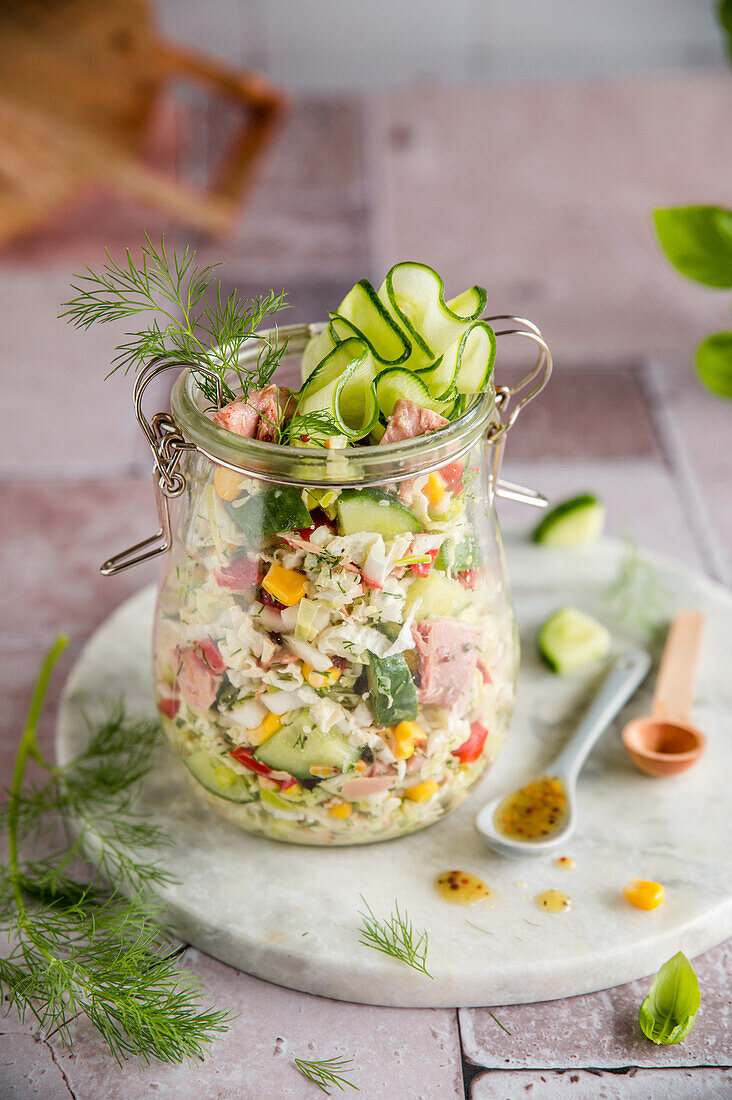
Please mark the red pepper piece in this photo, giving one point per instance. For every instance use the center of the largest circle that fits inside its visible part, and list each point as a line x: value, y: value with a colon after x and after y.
x: 339, y: 662
x: 452, y: 475
x: 243, y: 756
x: 239, y: 574
x: 169, y: 707
x: 207, y: 653
x: 422, y: 568
x: 471, y: 749
x: 468, y: 578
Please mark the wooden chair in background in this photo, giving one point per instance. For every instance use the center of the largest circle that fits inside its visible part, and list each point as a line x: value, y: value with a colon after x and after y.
x: 79, y: 82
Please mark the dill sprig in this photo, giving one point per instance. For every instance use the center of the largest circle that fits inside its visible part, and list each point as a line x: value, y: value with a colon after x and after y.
x: 311, y: 427
x: 185, y: 324
x: 637, y: 596
x: 77, y: 947
x: 394, y: 936
x: 329, y: 1071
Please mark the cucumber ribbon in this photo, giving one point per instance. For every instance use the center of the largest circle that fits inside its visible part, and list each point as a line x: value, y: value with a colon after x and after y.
x: 404, y: 341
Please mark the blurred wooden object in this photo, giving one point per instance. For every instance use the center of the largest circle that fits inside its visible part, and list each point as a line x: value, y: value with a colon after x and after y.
x: 79, y: 80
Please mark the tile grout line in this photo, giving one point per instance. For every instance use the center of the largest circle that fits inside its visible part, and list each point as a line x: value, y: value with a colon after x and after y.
x: 683, y: 474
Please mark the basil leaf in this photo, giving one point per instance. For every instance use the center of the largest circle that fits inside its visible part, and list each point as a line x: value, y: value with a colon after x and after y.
x: 714, y: 363
x: 668, y: 1012
x: 724, y: 15
x: 698, y: 241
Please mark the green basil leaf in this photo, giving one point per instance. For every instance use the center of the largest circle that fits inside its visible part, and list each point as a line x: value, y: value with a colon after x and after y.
x: 667, y: 1014
x: 724, y: 15
x: 698, y: 241
x: 714, y: 363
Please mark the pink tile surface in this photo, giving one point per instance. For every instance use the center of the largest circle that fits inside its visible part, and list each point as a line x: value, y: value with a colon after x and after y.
x: 55, y: 537
x: 404, y: 1055
x: 671, y: 1084
x: 550, y: 206
x: 29, y: 1071
x: 546, y: 1035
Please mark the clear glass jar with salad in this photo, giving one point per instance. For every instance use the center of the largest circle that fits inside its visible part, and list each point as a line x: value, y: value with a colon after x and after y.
x: 335, y: 649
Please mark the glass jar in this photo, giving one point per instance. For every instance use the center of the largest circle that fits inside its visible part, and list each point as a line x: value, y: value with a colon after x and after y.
x: 335, y: 650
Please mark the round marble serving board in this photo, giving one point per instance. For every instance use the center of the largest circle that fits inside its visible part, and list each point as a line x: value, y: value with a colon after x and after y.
x: 289, y: 914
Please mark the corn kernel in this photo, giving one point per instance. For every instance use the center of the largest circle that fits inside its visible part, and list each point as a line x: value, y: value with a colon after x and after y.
x: 227, y: 483
x: 286, y: 585
x: 421, y: 792
x: 264, y: 730
x: 434, y: 490
x: 320, y: 679
x: 340, y: 809
x: 644, y: 894
x: 292, y: 792
x: 403, y: 750
x: 323, y: 771
x: 409, y: 731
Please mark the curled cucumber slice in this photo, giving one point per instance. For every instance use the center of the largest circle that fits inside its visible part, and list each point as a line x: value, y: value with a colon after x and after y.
x: 414, y: 295
x: 466, y: 366
x: 343, y: 385
x: 397, y: 382
x: 360, y: 314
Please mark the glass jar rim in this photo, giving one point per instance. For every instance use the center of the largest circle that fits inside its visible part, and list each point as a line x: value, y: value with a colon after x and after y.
x: 322, y: 467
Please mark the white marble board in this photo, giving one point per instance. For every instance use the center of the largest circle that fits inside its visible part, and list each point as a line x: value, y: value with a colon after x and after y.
x: 289, y: 914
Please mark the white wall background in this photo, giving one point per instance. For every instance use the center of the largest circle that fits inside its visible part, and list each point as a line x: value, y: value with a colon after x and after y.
x: 360, y: 44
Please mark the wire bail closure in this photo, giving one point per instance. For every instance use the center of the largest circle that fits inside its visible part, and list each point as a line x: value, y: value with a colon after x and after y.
x: 167, y: 441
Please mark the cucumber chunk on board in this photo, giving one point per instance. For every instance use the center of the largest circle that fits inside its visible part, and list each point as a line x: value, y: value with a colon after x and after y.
x: 572, y: 523
x: 569, y: 639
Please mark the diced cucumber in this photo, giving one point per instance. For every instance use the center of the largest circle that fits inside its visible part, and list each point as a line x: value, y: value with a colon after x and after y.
x: 393, y: 694
x: 458, y: 557
x: 217, y: 777
x: 374, y: 510
x: 572, y: 523
x: 397, y: 382
x: 300, y: 745
x: 438, y: 596
x: 270, y: 512
x: 570, y: 639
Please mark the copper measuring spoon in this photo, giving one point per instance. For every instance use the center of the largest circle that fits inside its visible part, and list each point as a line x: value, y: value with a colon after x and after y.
x: 665, y: 743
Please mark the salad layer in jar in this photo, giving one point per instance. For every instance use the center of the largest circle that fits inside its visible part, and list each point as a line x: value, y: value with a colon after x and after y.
x: 337, y: 665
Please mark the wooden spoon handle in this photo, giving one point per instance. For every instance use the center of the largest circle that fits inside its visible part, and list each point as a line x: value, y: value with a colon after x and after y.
x: 676, y: 677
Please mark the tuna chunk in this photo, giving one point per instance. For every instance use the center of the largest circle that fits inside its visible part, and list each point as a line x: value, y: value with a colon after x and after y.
x: 238, y: 417
x: 409, y: 420
x: 448, y: 654
x: 198, y: 683
x: 272, y: 404
x: 259, y: 415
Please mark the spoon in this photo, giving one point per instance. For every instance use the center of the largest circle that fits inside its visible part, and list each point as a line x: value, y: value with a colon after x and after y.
x: 626, y: 674
x: 664, y: 742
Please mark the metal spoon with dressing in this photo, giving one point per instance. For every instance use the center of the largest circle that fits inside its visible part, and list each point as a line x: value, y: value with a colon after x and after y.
x: 626, y: 674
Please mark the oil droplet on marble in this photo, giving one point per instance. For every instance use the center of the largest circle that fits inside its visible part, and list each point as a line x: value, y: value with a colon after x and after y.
x: 565, y: 863
x: 554, y: 901
x: 462, y: 888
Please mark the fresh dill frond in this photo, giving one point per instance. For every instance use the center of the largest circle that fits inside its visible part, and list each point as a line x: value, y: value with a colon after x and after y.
x: 77, y: 946
x: 394, y: 936
x: 182, y: 323
x: 312, y: 427
x: 328, y: 1071
x: 637, y: 596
